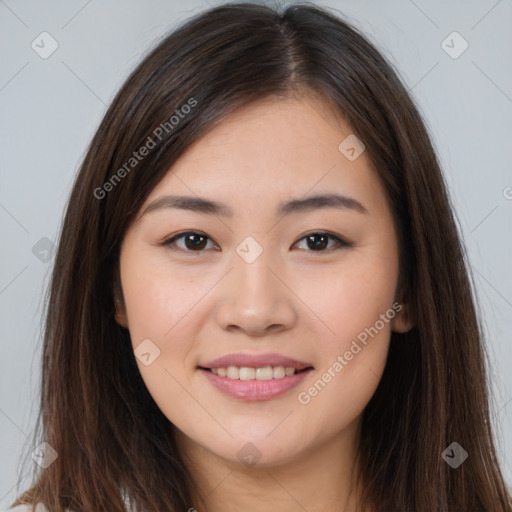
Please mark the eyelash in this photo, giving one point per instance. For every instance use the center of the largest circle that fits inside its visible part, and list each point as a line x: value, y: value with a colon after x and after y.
x: 340, y: 241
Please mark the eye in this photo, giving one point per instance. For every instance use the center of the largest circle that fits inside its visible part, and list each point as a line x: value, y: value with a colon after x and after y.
x: 196, y: 242
x: 193, y: 241
x: 318, y: 241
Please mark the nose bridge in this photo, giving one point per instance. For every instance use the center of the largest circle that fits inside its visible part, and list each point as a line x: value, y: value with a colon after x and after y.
x: 255, y: 299
x: 254, y: 282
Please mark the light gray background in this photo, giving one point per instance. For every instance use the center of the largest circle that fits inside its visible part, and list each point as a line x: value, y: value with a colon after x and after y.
x: 51, y: 107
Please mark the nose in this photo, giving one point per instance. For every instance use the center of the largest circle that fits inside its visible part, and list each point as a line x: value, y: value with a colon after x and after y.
x: 256, y: 300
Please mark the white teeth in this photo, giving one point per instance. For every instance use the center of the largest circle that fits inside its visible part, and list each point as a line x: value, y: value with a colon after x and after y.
x: 279, y: 372
x: 233, y: 372
x: 265, y: 373
x: 248, y: 373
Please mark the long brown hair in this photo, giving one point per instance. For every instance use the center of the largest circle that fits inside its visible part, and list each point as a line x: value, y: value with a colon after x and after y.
x: 115, y: 447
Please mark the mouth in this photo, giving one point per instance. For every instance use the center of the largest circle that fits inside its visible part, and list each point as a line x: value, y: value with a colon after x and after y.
x: 250, y: 373
x: 255, y: 377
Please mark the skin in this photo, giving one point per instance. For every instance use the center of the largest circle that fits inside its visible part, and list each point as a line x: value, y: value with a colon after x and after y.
x: 310, y: 305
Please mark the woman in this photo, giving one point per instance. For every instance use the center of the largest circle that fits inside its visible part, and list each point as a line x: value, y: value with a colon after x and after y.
x: 260, y: 298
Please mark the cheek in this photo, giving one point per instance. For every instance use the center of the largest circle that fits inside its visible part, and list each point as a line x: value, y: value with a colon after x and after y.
x: 356, y: 307
x: 351, y: 298
x: 163, y: 306
x: 148, y: 303
x: 358, y: 313
x: 158, y: 308
x: 155, y: 298
x: 357, y: 345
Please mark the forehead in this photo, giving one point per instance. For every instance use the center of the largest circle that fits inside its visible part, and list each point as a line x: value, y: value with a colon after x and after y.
x: 272, y: 128
x: 272, y: 149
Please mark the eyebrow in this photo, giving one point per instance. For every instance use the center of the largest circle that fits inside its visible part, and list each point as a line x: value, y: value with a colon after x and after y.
x: 211, y: 207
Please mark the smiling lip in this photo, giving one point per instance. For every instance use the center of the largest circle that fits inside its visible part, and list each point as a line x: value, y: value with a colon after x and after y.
x: 255, y: 361
x: 254, y: 390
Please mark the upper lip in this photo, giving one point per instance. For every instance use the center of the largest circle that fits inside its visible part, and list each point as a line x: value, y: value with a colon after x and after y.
x: 255, y: 361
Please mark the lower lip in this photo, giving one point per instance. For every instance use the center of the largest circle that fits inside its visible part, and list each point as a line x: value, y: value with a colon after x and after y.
x: 255, y: 389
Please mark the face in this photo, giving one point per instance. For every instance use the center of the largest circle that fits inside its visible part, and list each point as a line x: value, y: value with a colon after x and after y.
x: 261, y: 316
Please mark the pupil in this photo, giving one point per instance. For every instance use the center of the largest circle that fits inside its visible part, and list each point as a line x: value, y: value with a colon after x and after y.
x: 321, y: 244
x: 195, y: 245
